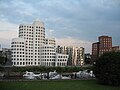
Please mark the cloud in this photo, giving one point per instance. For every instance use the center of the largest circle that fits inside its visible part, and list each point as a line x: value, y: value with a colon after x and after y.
x: 5, y: 43
x: 71, y: 41
x: 81, y: 19
x: 24, y: 9
x: 18, y: 11
x: 7, y: 32
x: 50, y: 33
x: 7, y: 26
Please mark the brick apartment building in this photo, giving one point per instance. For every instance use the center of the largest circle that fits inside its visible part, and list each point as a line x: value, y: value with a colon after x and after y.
x: 103, y: 45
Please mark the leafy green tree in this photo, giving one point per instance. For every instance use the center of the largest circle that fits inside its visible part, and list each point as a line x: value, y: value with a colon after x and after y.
x: 107, y: 68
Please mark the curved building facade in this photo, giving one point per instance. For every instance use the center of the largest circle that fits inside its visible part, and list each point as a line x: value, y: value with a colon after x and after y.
x: 35, y: 50
x: 18, y: 52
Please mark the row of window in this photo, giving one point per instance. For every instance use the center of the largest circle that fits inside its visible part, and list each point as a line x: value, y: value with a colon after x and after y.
x: 30, y: 41
x: 21, y: 35
x: 48, y: 47
x: 48, y: 60
x: 18, y: 49
x: 26, y: 63
x: 18, y: 59
x: 62, y: 60
x: 17, y: 43
x: 31, y: 33
x: 18, y: 55
x: 38, y: 63
x: 48, y: 56
x: 50, y: 43
x: 17, y: 46
x: 47, y: 50
x: 47, y: 53
x: 28, y: 36
x: 25, y: 56
x: 17, y: 52
x: 105, y: 39
x: 104, y: 50
x: 22, y: 59
x: 30, y: 27
x: 21, y: 50
x: 62, y: 56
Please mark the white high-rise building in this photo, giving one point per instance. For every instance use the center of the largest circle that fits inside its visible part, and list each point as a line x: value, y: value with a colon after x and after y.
x: 31, y: 48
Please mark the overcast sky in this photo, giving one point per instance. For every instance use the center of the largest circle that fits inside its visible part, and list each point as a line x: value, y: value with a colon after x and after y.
x: 71, y: 22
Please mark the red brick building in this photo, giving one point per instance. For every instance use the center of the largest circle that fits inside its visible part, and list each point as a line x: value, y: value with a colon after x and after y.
x: 103, y: 45
x: 95, y: 50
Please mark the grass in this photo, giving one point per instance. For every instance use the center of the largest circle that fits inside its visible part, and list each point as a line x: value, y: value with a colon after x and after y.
x: 55, y: 85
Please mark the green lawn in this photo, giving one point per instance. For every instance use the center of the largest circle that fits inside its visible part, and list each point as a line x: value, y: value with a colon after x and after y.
x: 55, y: 85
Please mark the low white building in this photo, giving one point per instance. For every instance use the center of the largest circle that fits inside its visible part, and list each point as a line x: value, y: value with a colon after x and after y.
x: 61, y: 60
x: 48, y: 55
x: 50, y: 41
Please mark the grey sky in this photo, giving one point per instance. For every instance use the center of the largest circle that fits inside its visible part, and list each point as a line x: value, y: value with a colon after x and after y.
x: 80, y: 20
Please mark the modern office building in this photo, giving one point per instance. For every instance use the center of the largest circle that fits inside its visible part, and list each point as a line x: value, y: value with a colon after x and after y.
x: 76, y: 54
x: 31, y: 48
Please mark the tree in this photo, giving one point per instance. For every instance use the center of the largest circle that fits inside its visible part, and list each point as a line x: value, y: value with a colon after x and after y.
x: 107, y: 68
x: 3, y: 60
